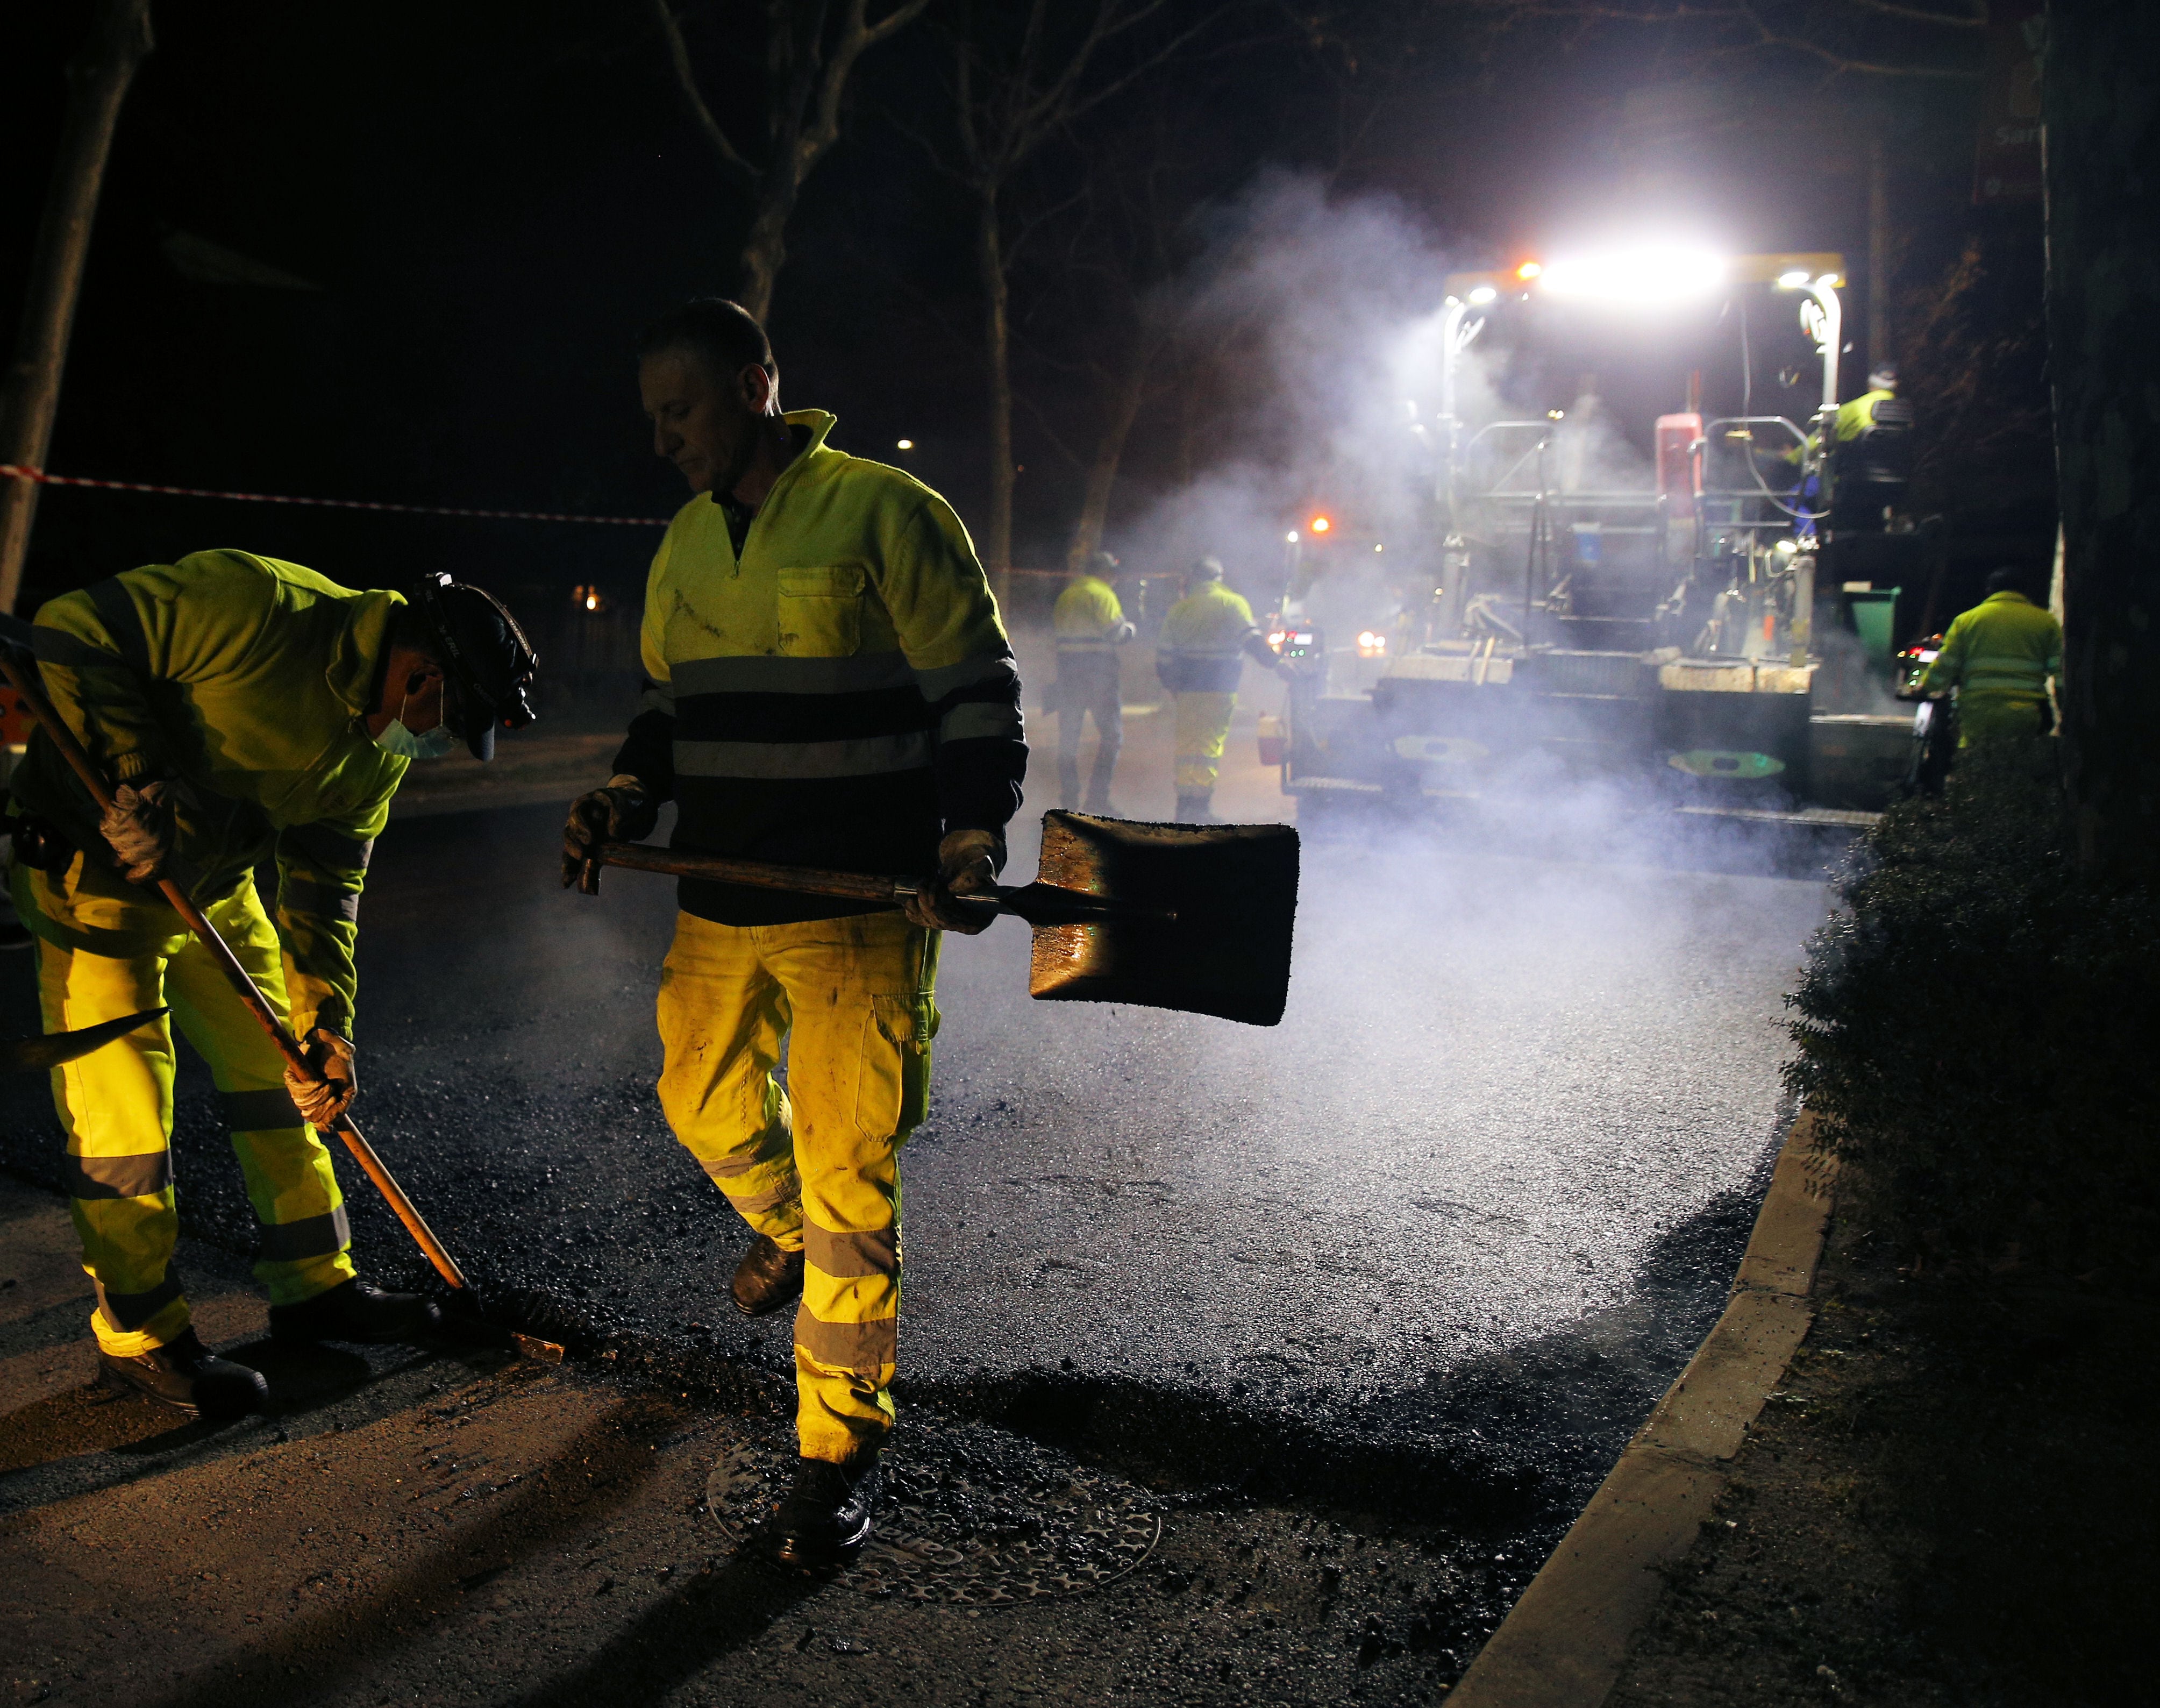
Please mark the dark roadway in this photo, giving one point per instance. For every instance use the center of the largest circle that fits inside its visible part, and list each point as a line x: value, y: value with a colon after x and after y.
x: 1466, y: 1211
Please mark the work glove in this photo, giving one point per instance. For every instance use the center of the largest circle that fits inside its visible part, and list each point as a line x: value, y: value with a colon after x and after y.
x: 624, y: 811
x: 320, y: 1101
x: 139, y: 827
x: 968, y: 862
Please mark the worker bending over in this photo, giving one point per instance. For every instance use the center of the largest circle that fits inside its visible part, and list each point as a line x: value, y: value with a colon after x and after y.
x: 246, y: 709
x: 1998, y: 656
x: 1205, y: 641
x: 1090, y: 626
x: 830, y: 686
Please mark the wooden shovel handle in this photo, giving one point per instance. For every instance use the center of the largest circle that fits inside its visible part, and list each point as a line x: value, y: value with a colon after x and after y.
x: 803, y: 881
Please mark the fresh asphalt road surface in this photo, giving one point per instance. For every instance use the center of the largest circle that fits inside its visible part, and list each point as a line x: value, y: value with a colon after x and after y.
x: 1511, y: 1122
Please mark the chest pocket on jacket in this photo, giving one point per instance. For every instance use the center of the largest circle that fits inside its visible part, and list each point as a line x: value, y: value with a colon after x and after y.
x: 821, y: 612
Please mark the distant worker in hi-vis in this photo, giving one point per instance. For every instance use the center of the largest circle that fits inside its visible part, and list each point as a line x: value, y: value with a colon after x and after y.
x: 1998, y: 655
x: 1206, y: 640
x: 1091, y: 626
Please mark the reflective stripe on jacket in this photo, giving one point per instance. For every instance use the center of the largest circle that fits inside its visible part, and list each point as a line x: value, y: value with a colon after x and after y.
x: 2006, y: 646
x: 834, y: 696
x: 1088, y: 617
x: 1203, y: 647
x: 245, y: 679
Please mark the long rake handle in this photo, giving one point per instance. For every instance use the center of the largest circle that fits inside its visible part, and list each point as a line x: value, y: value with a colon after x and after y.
x: 237, y: 975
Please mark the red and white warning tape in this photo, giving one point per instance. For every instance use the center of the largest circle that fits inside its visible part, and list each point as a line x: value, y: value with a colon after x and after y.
x: 17, y: 471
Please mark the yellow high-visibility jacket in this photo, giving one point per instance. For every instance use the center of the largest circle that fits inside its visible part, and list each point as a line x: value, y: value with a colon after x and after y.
x: 1087, y: 618
x: 247, y: 680
x: 1204, y: 639
x: 2002, y: 652
x: 838, y: 695
x: 1855, y: 416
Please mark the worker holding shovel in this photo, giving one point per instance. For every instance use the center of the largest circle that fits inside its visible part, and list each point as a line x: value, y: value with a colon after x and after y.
x: 212, y: 713
x: 831, y: 686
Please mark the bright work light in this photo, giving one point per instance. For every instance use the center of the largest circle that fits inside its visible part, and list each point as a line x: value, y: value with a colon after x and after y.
x: 1645, y: 275
x: 1320, y: 524
x: 1483, y: 295
x: 907, y: 445
x: 1792, y: 281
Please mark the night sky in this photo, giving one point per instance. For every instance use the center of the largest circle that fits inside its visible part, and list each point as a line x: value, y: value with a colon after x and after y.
x: 491, y: 200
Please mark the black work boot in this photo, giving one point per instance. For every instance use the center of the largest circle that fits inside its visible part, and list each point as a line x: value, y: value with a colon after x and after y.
x: 825, y: 1516
x: 767, y: 1278
x: 1195, y: 809
x: 186, y: 1375
x: 355, y: 1312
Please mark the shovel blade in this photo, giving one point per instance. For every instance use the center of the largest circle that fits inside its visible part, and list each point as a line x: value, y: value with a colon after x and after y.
x: 1233, y: 889
x: 28, y: 1055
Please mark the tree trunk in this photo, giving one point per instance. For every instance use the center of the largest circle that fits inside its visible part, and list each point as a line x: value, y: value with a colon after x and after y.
x: 31, y: 394
x: 1124, y: 408
x: 764, y: 251
x: 1881, y: 348
x: 997, y: 341
x: 2102, y: 173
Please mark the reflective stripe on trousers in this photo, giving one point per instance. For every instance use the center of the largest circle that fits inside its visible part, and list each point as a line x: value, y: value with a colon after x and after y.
x: 814, y: 1168
x: 116, y: 1104
x: 1203, y: 726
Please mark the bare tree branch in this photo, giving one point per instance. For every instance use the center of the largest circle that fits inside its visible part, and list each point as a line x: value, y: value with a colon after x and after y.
x: 857, y: 36
x: 1768, y: 37
x: 807, y: 68
x: 1760, y: 35
x: 1974, y: 17
x: 693, y: 99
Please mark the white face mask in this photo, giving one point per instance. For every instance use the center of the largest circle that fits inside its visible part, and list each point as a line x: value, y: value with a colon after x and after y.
x: 430, y: 744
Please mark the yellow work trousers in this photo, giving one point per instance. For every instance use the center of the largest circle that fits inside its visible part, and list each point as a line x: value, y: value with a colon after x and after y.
x: 116, y: 1103
x: 814, y: 1167
x: 1988, y: 716
x: 1203, y: 725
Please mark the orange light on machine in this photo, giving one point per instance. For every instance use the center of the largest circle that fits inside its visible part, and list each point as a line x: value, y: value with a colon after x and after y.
x: 1320, y: 525
x: 587, y: 598
x: 1527, y: 271
x: 1372, y: 644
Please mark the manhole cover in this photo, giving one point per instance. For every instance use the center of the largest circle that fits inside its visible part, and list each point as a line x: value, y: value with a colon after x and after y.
x: 968, y: 1515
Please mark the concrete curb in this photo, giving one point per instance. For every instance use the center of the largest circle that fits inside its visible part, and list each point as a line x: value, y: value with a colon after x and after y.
x: 1565, y: 1641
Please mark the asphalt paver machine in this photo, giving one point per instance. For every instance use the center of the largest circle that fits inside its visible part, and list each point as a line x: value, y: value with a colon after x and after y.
x: 1675, y: 622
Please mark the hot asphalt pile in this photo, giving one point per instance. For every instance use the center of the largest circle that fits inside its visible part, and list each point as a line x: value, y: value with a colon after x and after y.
x: 1954, y: 1499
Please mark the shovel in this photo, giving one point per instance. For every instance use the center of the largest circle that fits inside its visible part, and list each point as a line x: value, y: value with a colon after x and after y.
x: 1194, y: 918
x: 51, y: 1048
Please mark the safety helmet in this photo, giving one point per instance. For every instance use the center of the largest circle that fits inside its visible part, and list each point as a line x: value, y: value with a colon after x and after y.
x: 487, y: 663
x: 1883, y: 376
x: 1102, y: 564
x: 1206, y: 570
